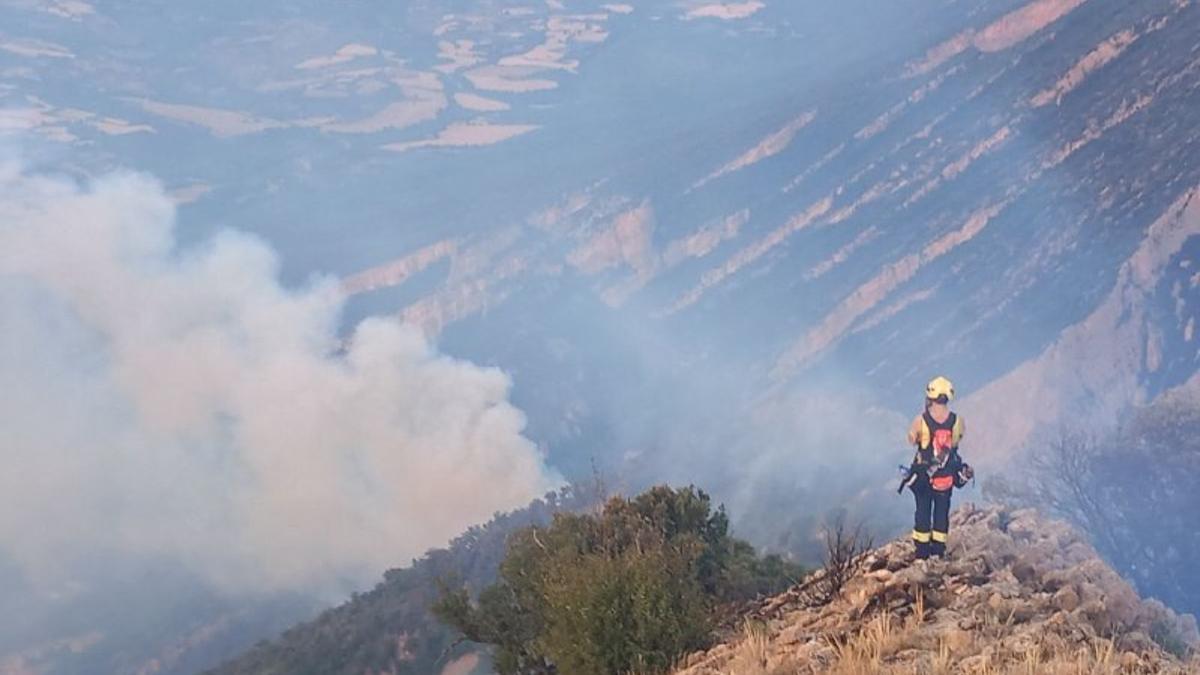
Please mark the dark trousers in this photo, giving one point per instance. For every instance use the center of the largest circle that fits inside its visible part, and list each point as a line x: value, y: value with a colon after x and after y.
x: 931, y: 527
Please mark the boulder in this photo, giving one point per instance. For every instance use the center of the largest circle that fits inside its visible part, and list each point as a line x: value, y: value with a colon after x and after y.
x: 1066, y: 599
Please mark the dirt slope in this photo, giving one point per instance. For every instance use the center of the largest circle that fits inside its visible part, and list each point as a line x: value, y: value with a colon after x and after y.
x: 1017, y: 593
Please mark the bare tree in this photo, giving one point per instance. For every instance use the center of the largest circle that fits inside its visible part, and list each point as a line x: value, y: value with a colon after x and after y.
x: 844, y: 546
x: 1065, y: 473
x: 599, y: 491
x: 1134, y: 493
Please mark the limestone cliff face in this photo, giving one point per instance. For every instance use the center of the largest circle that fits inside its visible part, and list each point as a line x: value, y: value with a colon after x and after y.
x: 1017, y: 593
x: 1113, y: 358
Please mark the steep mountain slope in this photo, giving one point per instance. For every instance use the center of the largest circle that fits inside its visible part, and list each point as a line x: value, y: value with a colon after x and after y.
x: 165, y: 626
x: 958, y: 211
x: 1017, y: 594
x: 1132, y: 332
x: 389, y: 629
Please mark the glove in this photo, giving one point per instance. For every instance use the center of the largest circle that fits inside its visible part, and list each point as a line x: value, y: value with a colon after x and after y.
x: 964, y: 475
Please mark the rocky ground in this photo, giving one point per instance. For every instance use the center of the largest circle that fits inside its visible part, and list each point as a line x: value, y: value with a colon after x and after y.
x: 1017, y: 593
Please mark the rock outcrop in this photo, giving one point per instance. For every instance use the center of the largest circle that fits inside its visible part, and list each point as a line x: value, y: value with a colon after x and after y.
x: 1017, y: 593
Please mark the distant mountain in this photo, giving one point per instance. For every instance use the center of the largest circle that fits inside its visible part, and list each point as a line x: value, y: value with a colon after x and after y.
x: 165, y: 624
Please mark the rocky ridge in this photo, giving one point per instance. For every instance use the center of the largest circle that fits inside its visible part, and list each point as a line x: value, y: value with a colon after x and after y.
x: 1017, y: 593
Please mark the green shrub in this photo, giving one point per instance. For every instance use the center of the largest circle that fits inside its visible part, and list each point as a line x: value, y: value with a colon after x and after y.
x: 628, y: 590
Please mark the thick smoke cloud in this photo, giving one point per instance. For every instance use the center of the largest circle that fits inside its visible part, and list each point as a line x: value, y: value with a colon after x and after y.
x: 179, y: 403
x: 793, y: 462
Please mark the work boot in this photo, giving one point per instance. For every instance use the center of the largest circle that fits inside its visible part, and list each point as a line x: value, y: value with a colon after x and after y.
x: 923, y: 550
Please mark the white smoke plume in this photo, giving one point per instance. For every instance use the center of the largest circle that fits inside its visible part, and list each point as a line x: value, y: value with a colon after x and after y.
x: 180, y: 403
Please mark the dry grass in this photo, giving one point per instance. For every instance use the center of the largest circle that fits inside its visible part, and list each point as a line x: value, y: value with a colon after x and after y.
x: 888, y: 647
x: 751, y: 655
x: 918, y: 615
x: 1099, y: 658
x: 882, y: 638
x: 871, y: 650
x: 944, y: 659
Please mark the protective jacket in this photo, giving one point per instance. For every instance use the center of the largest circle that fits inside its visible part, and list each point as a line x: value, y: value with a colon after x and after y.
x: 936, y: 470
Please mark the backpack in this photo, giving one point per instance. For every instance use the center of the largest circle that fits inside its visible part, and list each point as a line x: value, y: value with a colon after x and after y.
x: 938, y: 446
x: 939, y: 438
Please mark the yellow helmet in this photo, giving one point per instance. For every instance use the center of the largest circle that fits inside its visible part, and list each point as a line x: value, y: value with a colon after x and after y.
x: 939, y: 387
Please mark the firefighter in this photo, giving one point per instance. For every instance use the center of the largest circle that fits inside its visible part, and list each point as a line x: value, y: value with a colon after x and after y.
x: 937, y: 467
